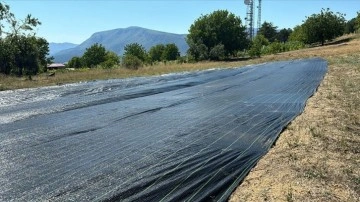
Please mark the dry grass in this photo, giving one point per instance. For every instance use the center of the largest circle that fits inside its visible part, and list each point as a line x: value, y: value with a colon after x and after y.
x: 79, y: 75
x: 317, y: 158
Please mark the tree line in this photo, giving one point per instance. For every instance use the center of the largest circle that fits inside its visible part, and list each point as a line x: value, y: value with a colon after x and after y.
x: 135, y: 56
x: 219, y: 35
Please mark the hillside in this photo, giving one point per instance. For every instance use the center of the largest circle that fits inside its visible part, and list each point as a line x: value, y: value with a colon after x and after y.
x: 115, y: 40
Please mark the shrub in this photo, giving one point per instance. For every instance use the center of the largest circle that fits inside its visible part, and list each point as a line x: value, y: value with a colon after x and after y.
x: 257, y: 46
x: 111, y: 60
x: 217, y: 52
x: 75, y: 62
x: 131, y: 62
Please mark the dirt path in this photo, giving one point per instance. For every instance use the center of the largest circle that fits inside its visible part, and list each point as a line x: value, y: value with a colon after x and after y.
x: 317, y: 157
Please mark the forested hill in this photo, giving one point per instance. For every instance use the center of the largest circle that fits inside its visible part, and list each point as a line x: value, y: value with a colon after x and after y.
x: 115, y: 40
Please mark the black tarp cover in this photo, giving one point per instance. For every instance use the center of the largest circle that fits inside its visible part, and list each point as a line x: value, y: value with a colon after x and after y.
x: 178, y: 137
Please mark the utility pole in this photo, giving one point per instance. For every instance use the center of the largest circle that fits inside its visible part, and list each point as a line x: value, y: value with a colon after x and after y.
x: 259, y: 16
x: 250, y: 17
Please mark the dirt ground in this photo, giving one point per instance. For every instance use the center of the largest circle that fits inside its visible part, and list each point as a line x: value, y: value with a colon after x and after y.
x: 317, y: 157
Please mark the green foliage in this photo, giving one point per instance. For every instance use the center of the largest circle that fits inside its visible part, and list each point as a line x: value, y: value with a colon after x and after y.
x: 131, y: 62
x: 293, y: 45
x: 283, y: 35
x: 136, y: 50
x: 13, y: 26
x: 94, y: 55
x: 22, y: 53
x: 111, y: 60
x: 350, y: 26
x: 268, y: 30
x: 155, y: 52
x: 326, y: 25
x: 6, y: 56
x: 217, y: 52
x: 257, y: 45
x: 357, y: 22
x: 75, y: 62
x: 278, y: 47
x: 219, y: 27
x: 28, y: 55
x: 171, y: 52
x: 197, y: 50
x: 298, y: 34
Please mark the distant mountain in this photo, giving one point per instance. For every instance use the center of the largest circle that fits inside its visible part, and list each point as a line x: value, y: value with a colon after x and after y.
x: 57, y: 47
x: 115, y: 40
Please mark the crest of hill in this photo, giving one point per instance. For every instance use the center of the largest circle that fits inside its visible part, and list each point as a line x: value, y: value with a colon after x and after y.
x: 115, y: 40
x: 57, y: 47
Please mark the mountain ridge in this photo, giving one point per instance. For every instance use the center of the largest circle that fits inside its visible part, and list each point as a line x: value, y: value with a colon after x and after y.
x: 116, y: 39
x: 57, y: 47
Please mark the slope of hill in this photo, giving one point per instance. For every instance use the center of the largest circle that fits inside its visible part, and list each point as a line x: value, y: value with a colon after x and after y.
x: 115, y: 40
x: 57, y: 47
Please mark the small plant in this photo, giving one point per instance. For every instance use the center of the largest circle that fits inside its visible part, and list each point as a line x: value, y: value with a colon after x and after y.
x: 289, y: 195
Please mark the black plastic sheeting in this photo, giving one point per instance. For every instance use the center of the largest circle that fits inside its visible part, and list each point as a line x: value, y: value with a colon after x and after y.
x: 178, y: 137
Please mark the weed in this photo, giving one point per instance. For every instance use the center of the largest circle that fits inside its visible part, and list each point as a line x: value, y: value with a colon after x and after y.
x: 289, y: 195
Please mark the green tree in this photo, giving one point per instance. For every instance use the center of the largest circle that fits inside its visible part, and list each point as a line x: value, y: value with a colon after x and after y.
x: 219, y: 27
x: 257, y: 45
x: 155, y: 52
x: 111, y: 60
x: 171, y: 52
x: 136, y: 50
x: 268, y: 30
x: 75, y: 62
x: 298, y: 35
x: 29, y: 55
x: 13, y: 26
x: 326, y: 25
x: 283, y: 35
x: 350, y: 26
x: 7, y: 57
x: 43, y: 50
x: 22, y: 53
x: 94, y: 55
x: 357, y: 22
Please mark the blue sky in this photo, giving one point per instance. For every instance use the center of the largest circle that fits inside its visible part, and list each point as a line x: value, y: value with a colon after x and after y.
x: 76, y: 20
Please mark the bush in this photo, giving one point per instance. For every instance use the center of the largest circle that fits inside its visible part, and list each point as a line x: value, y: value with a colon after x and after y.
x: 111, y: 60
x: 217, y: 52
x: 294, y: 45
x: 75, y: 62
x: 131, y: 62
x: 258, y: 45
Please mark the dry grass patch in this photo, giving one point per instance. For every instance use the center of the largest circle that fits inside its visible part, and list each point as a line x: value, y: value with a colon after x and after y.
x: 80, y: 75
